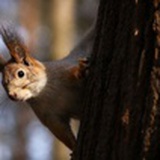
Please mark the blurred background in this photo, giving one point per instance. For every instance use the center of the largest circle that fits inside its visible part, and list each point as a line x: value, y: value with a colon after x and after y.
x: 50, y: 29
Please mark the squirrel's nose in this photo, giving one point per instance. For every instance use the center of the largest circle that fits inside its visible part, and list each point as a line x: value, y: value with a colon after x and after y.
x: 13, y: 96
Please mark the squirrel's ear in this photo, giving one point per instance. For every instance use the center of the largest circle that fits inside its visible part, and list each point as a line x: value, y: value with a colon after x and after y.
x: 2, y: 63
x: 81, y: 69
x: 14, y: 43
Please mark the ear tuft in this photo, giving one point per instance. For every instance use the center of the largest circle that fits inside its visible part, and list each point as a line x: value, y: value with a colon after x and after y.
x: 14, y: 43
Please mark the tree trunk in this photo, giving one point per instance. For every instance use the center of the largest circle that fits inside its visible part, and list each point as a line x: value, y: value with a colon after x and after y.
x: 121, y: 112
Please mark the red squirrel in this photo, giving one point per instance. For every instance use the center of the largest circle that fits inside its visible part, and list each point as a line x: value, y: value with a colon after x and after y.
x: 53, y: 89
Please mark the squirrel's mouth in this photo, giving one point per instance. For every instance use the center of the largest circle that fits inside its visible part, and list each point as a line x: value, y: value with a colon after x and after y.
x: 13, y: 98
x: 16, y: 98
x: 21, y: 98
x: 20, y: 93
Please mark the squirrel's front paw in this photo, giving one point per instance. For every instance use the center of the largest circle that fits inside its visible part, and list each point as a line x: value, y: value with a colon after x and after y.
x: 83, y: 67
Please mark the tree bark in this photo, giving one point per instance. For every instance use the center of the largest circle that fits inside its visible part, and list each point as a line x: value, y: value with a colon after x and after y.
x: 121, y: 112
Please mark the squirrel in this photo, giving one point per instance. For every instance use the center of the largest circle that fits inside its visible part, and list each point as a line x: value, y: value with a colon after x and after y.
x: 53, y: 89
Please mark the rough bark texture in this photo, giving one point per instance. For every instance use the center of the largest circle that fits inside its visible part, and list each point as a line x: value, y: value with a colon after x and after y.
x: 121, y: 115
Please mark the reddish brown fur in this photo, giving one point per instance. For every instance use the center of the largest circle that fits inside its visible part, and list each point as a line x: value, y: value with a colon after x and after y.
x: 59, y: 97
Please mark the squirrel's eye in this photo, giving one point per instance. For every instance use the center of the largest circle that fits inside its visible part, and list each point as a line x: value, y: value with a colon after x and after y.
x: 21, y: 74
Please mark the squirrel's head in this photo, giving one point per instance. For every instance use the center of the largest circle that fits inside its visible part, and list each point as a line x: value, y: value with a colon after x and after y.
x: 22, y: 76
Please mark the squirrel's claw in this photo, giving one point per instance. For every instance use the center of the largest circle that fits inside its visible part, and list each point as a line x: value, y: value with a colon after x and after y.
x: 83, y: 67
x: 84, y: 63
